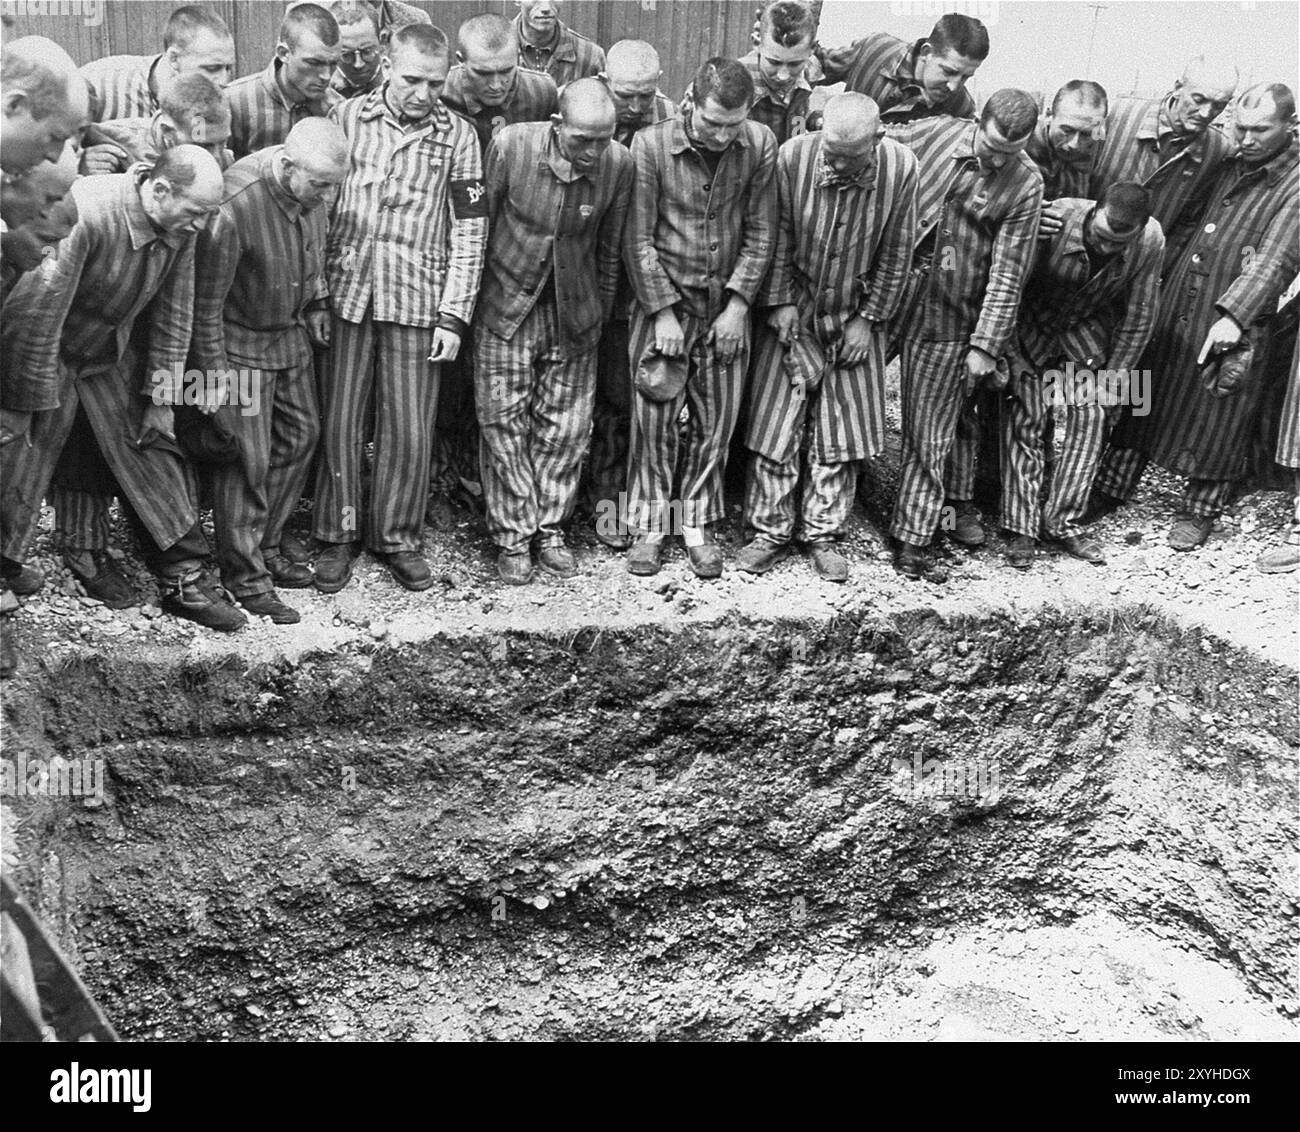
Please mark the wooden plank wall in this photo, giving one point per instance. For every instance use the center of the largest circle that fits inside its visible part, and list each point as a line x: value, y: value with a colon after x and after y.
x: 686, y: 32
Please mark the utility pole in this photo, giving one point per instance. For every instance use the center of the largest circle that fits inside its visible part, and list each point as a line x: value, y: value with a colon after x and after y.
x: 1097, y: 10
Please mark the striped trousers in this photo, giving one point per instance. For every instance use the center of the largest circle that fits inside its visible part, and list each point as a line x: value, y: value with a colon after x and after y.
x: 456, y: 441
x: 1121, y: 471
x: 534, y: 401
x: 611, y: 420
x: 253, y: 497
x: 667, y: 463
x: 385, y: 364
x: 1025, y: 415
x: 935, y: 389
x: 781, y: 504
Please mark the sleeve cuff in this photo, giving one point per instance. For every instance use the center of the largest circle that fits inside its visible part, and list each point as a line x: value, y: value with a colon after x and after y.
x: 456, y: 325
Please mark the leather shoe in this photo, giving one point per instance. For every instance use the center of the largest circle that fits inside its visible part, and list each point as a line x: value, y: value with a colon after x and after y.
x: 269, y: 605
x: 101, y: 577
x: 1189, y: 532
x: 295, y: 549
x: 558, y: 561
x: 705, y: 560
x: 966, y: 530
x: 334, y: 566
x: 514, y: 569
x: 1080, y: 546
x: 909, y: 560
x: 829, y: 562
x: 22, y: 580
x: 196, y: 597
x: 410, y: 569
x: 1020, y: 553
x: 760, y: 555
x: 287, y: 574
x: 645, y: 557
x: 1280, y: 560
x: 610, y: 532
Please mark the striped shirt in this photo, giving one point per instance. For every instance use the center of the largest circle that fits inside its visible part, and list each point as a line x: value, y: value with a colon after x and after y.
x: 1060, y: 178
x: 843, y: 247
x: 261, y: 113
x: 570, y: 55
x: 549, y: 222
x: 259, y: 267
x: 661, y: 109
x: 985, y: 230
x: 785, y: 117
x: 141, y: 139
x: 1142, y: 146
x: 82, y: 302
x: 409, y: 230
x: 532, y: 98
x: 884, y: 67
x: 344, y: 88
x: 1069, y: 310
x: 122, y: 86
x: 692, y: 234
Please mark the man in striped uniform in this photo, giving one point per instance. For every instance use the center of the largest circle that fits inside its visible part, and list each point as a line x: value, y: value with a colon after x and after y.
x: 844, y: 245
x: 196, y: 41
x: 632, y: 74
x: 547, y: 44
x: 360, y: 50
x: 786, y: 32
x: 557, y: 196
x: 295, y: 85
x: 978, y: 204
x: 1074, y: 351
x: 261, y: 304
x: 1065, y: 142
x: 404, y: 257
x: 1220, y: 294
x: 700, y: 238
x: 491, y: 91
x: 192, y: 112
x: 67, y: 326
x: 913, y: 80
x: 392, y: 15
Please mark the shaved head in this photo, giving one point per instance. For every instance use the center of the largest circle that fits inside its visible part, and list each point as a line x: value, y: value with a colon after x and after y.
x: 1214, y: 73
x: 45, y: 102
x: 318, y: 146
x: 1276, y: 95
x: 189, y: 169
x: 23, y: 199
x: 488, y: 34
x: 586, y: 104
x: 1200, y: 95
x: 851, y: 118
x: 632, y: 61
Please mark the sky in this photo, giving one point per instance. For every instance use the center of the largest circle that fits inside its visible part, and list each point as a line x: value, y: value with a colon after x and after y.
x: 1140, y: 45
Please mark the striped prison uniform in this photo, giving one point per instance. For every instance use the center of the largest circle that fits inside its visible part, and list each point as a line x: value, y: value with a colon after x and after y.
x: 843, y: 249
x: 122, y: 86
x: 570, y: 55
x: 404, y: 254
x: 785, y: 115
x: 1067, y: 316
x: 976, y: 237
x: 345, y: 88
x: 1061, y: 178
x: 532, y: 98
x: 262, y: 111
x: 884, y: 67
x: 611, y: 418
x: 259, y: 269
x: 549, y: 282
x: 1238, y: 262
x: 67, y: 328
x: 694, y: 237
x: 142, y: 139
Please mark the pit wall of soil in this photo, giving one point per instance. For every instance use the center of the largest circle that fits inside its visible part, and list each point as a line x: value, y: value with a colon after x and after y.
x: 706, y: 795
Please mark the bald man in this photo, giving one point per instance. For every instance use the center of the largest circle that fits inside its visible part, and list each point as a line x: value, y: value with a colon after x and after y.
x: 632, y: 73
x: 67, y: 329
x: 557, y: 195
x: 44, y: 102
x: 262, y: 304
x: 843, y: 250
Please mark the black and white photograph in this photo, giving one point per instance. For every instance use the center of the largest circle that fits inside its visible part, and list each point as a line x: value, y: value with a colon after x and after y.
x: 651, y: 521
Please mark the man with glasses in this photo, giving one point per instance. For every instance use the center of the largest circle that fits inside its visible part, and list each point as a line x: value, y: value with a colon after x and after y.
x: 358, y: 71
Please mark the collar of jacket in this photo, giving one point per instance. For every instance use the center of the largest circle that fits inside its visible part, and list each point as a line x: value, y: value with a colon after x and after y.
x: 827, y: 178
x: 341, y: 84
x: 1156, y: 126
x: 267, y: 171
x: 904, y: 73
x: 151, y: 83
x: 270, y: 82
x: 139, y: 225
x: 560, y: 165
x: 561, y: 47
x: 376, y: 106
x: 760, y: 80
x: 1276, y: 167
x: 681, y: 140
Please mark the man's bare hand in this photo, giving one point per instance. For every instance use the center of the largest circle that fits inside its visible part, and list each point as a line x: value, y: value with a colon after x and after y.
x: 105, y: 158
x: 446, y: 345
x: 1051, y: 221
x: 670, y: 339
x: 856, y: 346
x: 318, y: 328
x: 1223, y: 335
x: 727, y: 334
x: 784, y: 320
x: 979, y: 364
x: 13, y: 426
x: 161, y: 419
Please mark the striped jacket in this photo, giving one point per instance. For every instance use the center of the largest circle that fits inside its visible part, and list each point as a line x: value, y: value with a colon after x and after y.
x: 571, y: 55
x: 1069, y: 313
x: 691, y: 235
x: 259, y: 267
x: 82, y: 303
x: 1141, y: 146
x: 1060, y: 178
x: 532, y: 98
x: 661, y: 109
x: 409, y: 229
x: 122, y: 86
x: 548, y: 221
x: 262, y: 115
x: 883, y: 66
x: 140, y: 140
x: 842, y: 247
x: 785, y: 118
x: 341, y: 86
x: 985, y: 230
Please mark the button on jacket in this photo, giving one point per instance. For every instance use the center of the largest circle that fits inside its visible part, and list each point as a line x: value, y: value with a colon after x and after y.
x: 692, y: 234
x: 546, y: 220
x: 409, y: 229
x: 884, y: 67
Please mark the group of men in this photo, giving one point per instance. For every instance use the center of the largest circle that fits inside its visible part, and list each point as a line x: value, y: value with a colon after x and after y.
x: 404, y: 278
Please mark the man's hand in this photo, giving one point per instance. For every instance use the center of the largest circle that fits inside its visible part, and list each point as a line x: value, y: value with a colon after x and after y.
x: 160, y: 419
x: 727, y: 333
x: 856, y: 344
x: 318, y: 328
x: 669, y: 337
x: 13, y: 425
x: 104, y: 158
x: 979, y: 364
x: 1051, y: 220
x: 446, y: 345
x: 1223, y: 335
x: 784, y: 320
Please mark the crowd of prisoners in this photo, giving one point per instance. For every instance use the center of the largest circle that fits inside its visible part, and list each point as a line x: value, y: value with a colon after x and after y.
x: 415, y: 278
